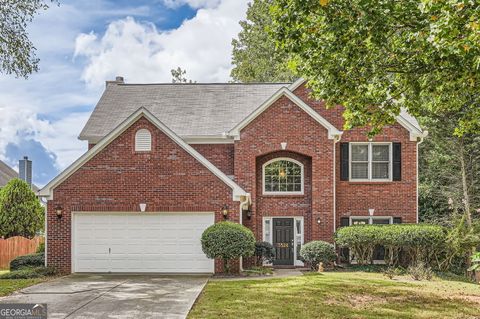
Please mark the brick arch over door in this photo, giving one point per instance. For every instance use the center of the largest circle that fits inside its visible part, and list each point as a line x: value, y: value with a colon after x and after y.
x: 284, y: 205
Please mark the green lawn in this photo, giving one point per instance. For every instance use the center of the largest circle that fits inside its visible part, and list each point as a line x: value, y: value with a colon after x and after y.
x: 7, y: 286
x: 338, y: 295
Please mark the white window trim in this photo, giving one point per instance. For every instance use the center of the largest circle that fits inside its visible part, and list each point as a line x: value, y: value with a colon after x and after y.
x: 296, y: 262
x: 370, y: 179
x: 371, y: 218
x: 301, y: 192
x: 137, y: 146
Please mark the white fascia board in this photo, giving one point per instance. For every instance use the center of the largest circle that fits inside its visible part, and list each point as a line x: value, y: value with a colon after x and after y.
x: 47, y: 191
x: 415, y: 133
x: 208, y: 139
x: 292, y: 87
x: 332, y: 130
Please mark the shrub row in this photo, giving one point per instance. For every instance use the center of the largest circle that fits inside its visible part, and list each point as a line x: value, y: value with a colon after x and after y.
x: 33, y: 260
x: 406, y: 244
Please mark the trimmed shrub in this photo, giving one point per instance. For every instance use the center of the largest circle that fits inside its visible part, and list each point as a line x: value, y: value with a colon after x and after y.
x: 29, y: 272
x: 316, y: 252
x: 419, y: 242
x: 420, y: 271
x: 227, y: 240
x: 264, y: 252
x: 28, y: 261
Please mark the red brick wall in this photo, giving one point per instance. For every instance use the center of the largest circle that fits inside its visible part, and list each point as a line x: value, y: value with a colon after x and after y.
x: 397, y: 198
x: 307, y: 140
x: 220, y: 155
x: 118, y: 179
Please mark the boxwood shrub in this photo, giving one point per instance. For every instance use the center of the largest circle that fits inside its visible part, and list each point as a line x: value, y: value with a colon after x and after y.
x: 31, y: 261
x: 316, y: 252
x: 406, y: 244
x: 227, y: 240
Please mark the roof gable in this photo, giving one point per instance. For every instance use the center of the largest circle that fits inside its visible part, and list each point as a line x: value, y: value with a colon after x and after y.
x: 47, y: 191
x: 406, y: 120
x: 332, y: 130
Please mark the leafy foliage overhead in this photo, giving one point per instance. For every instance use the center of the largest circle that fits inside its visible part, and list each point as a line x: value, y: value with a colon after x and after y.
x: 17, y: 53
x: 255, y: 56
x: 375, y: 57
x: 20, y: 211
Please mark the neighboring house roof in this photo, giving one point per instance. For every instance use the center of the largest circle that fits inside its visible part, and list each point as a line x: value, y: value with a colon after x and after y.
x: 47, y: 191
x: 332, y: 130
x: 187, y: 109
x: 6, y: 174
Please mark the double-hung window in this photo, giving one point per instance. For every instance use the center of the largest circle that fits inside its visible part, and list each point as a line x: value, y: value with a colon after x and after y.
x: 370, y: 161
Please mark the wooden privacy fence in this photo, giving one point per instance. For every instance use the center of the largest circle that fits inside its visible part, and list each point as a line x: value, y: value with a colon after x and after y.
x: 13, y: 247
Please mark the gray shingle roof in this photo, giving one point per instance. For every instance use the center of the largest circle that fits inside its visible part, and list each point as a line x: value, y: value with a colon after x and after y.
x: 6, y: 174
x: 187, y: 109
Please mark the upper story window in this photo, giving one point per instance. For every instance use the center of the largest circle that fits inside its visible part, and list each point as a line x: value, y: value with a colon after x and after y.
x: 143, y: 141
x: 283, y: 176
x: 371, y: 161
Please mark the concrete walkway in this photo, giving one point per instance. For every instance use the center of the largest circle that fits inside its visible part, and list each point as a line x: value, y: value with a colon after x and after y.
x: 114, y: 296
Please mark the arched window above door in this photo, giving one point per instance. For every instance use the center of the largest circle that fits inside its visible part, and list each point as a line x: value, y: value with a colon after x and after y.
x: 283, y: 176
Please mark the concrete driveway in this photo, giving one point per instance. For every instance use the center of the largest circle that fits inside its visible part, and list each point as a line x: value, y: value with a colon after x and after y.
x: 114, y: 296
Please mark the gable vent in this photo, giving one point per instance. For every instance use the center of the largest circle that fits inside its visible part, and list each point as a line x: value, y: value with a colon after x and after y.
x: 143, y: 141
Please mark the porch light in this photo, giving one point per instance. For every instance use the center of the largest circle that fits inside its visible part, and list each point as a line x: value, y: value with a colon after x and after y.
x: 248, y: 213
x: 319, y: 220
x: 225, y: 211
x: 59, y: 211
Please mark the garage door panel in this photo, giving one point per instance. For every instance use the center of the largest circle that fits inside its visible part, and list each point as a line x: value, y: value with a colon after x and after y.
x: 123, y: 242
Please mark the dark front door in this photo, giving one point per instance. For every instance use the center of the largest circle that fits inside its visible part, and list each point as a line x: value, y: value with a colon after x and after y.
x: 283, y: 241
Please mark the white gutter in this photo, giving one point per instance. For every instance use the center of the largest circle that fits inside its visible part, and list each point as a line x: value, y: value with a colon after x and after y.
x: 422, y: 137
x: 336, y: 139
x: 242, y: 203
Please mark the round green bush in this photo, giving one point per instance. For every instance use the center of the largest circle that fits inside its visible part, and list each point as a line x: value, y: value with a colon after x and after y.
x: 264, y: 252
x: 316, y: 252
x: 227, y: 240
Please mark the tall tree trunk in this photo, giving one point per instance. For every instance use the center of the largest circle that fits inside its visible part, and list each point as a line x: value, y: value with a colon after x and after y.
x: 466, y: 196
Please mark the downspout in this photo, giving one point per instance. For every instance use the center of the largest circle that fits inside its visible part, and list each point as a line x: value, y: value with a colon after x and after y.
x: 336, y: 139
x: 422, y: 137
x: 246, y: 200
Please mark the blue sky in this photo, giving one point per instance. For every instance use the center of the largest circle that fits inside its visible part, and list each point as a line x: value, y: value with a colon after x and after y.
x: 81, y: 44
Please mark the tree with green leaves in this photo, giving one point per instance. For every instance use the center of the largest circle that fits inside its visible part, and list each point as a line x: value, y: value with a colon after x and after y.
x: 375, y: 57
x: 180, y: 76
x: 17, y: 53
x: 255, y: 56
x: 21, y: 213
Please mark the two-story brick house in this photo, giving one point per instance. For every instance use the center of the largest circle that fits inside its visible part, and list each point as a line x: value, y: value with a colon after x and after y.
x: 165, y: 161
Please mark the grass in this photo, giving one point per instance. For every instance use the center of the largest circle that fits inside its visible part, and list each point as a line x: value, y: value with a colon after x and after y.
x: 8, y: 286
x: 338, y: 295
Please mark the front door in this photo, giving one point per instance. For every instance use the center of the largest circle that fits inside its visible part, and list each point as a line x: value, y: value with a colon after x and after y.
x: 283, y: 241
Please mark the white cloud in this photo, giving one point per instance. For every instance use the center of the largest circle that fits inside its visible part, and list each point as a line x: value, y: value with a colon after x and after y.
x: 141, y: 53
x: 192, y: 3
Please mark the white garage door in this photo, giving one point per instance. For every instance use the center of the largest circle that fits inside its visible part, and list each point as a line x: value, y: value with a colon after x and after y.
x: 140, y: 242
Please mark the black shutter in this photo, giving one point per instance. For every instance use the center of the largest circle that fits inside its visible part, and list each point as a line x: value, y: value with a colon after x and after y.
x: 397, y: 220
x: 344, y: 161
x: 397, y: 161
x: 344, y: 221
